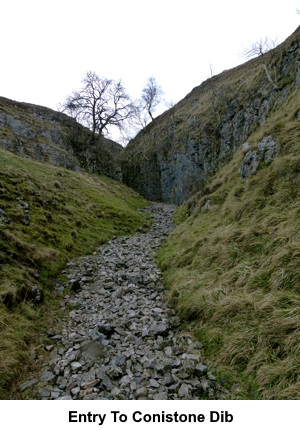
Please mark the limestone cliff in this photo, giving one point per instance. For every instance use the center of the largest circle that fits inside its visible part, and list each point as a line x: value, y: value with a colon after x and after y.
x: 36, y: 132
x: 173, y: 157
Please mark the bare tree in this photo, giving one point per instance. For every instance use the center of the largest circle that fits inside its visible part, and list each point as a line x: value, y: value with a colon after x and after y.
x: 169, y: 104
x: 99, y: 104
x: 143, y: 109
x: 259, y: 48
x: 151, y: 96
x: 141, y: 115
x: 262, y: 49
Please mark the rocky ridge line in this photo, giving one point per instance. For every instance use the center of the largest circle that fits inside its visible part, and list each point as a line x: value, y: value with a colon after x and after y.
x: 121, y: 340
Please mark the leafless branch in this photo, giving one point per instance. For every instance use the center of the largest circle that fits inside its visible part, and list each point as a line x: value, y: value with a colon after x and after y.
x: 99, y: 104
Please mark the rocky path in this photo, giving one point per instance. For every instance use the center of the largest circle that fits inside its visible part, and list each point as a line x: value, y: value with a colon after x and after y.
x: 120, y: 340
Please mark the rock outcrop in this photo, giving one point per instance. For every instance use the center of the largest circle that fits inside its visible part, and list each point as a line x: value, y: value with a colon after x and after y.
x: 173, y: 157
x: 266, y: 152
x: 39, y: 133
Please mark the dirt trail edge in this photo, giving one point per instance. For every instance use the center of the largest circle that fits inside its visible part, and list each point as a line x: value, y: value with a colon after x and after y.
x: 121, y: 340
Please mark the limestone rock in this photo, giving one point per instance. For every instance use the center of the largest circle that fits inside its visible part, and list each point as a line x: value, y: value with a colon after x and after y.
x: 266, y: 152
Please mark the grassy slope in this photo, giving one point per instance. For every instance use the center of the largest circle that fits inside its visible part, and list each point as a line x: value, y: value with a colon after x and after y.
x: 233, y: 269
x: 71, y: 214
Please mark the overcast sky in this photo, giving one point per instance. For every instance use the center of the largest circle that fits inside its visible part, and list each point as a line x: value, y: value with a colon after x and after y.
x: 48, y: 45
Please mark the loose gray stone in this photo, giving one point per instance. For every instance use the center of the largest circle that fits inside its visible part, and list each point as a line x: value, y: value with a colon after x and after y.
x: 159, y: 329
x: 160, y: 396
x: 47, y: 376
x: 141, y: 392
x: 201, y: 370
x: 154, y: 383
x: 75, y: 391
x: 44, y: 392
x: 28, y: 384
x: 76, y: 365
x: 184, y: 391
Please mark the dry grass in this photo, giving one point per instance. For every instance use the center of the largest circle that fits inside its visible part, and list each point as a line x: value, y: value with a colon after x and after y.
x: 233, y: 269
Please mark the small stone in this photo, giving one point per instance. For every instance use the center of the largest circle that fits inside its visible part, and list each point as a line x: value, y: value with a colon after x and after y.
x: 145, y: 332
x: 174, y: 388
x: 54, y: 394
x: 160, y: 396
x: 62, y: 386
x: 75, y: 391
x: 168, y: 351
x: 71, y: 357
x: 184, y: 391
x: 125, y: 380
x: 154, y: 383
x: 49, y: 347
x: 246, y: 147
x: 90, y: 384
x: 115, y: 372
x: 176, y: 362
x: 47, y: 376
x: 201, y: 370
x: 56, y: 338
x: 168, y: 380
x: 28, y: 384
x: 64, y: 363
x: 141, y: 392
x: 115, y: 391
x: 87, y: 392
x: 76, y: 366
x: 211, y: 377
x: 205, y: 385
x: 43, y: 392
x: 159, y: 330
x: 119, y: 361
x: 57, y: 370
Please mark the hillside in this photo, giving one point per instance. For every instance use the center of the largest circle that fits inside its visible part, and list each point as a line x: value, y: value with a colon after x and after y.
x: 48, y: 215
x: 232, y: 264
x: 176, y: 154
x: 39, y: 133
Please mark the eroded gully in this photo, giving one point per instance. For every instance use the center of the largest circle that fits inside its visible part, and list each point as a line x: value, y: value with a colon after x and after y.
x: 119, y: 338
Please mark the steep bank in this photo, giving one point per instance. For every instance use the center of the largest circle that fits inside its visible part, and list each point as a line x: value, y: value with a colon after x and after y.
x: 48, y: 215
x: 42, y: 134
x: 232, y: 264
x: 175, y: 155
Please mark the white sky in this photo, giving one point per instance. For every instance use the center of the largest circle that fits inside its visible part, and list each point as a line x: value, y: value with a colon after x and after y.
x: 48, y: 45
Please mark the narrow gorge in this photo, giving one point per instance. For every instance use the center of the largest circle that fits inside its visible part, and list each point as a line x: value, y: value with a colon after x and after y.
x: 110, y: 291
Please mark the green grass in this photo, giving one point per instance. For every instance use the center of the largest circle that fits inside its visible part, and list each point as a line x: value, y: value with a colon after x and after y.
x: 70, y: 215
x: 233, y: 269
